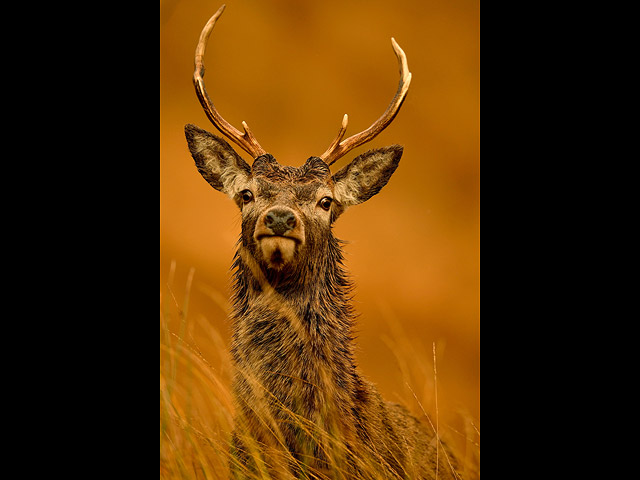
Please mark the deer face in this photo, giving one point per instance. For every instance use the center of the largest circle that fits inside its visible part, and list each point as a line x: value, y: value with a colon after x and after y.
x: 287, y: 212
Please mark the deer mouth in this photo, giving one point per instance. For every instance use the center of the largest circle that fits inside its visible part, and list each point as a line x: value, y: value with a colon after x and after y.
x: 278, y: 250
x: 264, y: 236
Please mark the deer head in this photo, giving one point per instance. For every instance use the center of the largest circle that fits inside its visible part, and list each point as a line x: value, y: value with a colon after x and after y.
x: 287, y: 211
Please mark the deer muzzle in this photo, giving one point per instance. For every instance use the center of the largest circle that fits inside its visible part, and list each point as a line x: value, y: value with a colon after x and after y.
x: 279, y: 233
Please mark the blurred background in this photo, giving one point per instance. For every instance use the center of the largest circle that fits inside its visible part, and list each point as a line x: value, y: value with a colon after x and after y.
x: 291, y: 69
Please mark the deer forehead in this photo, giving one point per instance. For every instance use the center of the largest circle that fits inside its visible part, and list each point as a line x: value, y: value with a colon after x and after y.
x: 272, y: 182
x: 291, y: 192
x: 267, y: 167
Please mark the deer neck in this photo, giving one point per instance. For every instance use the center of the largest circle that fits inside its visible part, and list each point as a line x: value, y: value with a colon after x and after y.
x: 315, y: 297
x: 293, y: 336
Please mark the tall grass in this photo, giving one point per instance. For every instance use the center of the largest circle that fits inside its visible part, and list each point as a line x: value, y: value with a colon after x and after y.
x: 196, y: 407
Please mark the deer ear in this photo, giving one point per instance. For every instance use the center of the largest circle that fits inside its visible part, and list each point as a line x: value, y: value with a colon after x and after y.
x: 366, y: 175
x: 217, y: 162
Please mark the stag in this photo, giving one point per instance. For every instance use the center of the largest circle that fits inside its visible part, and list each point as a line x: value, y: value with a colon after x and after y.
x: 303, y: 410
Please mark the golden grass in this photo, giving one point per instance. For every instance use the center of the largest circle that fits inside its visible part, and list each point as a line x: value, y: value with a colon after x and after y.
x: 196, y: 407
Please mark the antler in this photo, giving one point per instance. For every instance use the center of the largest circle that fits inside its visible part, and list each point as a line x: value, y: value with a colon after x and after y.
x: 245, y: 140
x: 339, y: 147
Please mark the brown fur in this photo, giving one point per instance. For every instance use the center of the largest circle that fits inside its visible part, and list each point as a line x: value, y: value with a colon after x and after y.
x: 303, y: 409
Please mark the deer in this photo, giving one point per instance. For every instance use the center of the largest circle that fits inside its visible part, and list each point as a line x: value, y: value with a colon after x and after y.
x: 302, y: 408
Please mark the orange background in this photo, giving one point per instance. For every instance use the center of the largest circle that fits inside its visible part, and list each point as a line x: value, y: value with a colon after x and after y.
x: 291, y: 69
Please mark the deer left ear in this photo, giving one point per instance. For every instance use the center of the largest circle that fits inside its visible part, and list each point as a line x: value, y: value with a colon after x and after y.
x: 217, y: 162
x: 366, y: 175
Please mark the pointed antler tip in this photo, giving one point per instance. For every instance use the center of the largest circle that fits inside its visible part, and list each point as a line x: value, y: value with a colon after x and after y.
x: 396, y: 46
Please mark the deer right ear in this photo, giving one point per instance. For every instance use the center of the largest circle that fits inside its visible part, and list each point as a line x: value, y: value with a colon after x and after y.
x: 217, y: 162
x: 366, y: 175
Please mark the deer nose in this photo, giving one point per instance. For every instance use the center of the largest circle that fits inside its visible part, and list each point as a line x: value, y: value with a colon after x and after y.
x: 280, y: 221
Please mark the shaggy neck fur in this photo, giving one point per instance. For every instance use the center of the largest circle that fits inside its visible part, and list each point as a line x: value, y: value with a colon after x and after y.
x: 297, y: 321
x: 292, y: 347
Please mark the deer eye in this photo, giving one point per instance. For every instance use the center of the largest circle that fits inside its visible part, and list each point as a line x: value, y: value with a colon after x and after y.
x: 247, y: 196
x: 325, y: 203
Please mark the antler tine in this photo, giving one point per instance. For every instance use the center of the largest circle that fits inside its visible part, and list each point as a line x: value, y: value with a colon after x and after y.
x: 339, y: 147
x: 245, y: 140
